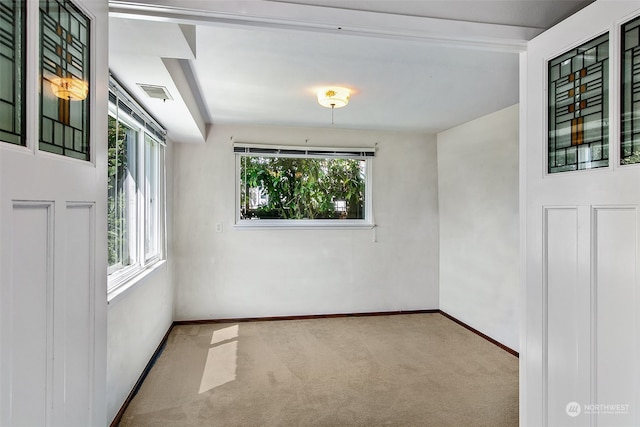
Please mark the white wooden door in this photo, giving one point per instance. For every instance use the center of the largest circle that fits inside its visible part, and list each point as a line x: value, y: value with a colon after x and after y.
x: 580, y: 350
x: 53, y: 258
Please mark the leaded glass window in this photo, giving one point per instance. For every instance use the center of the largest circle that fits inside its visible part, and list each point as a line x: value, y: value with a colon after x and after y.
x: 12, y: 65
x: 64, y: 61
x: 630, y: 118
x: 578, y: 108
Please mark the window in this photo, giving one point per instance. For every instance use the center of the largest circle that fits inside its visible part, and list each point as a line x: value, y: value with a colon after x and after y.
x: 122, y: 195
x: 303, y: 187
x: 64, y: 82
x: 579, y: 108
x: 630, y: 117
x: 12, y: 62
x: 135, y: 189
x: 151, y: 196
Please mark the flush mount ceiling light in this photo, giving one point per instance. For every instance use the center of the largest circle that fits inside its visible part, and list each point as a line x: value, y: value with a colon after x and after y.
x: 333, y: 97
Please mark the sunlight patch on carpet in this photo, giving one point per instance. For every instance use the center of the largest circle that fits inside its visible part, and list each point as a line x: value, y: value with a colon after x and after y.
x: 221, y: 365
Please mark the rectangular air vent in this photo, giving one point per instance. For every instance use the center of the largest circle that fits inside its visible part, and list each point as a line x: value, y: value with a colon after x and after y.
x: 157, y: 92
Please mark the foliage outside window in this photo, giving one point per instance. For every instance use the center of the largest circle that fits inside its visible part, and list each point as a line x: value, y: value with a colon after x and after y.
x: 135, y: 200
x: 122, y: 197
x: 12, y: 66
x: 288, y: 189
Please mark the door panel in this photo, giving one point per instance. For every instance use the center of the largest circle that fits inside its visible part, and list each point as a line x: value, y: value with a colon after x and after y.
x: 562, y: 289
x: 25, y: 344
x: 74, y: 323
x: 616, y: 253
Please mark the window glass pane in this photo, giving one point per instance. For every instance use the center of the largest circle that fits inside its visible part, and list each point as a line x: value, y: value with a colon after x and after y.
x: 135, y: 198
x: 152, y: 199
x: 630, y: 118
x: 122, y: 194
x: 64, y: 64
x: 135, y: 191
x: 12, y: 66
x: 302, y: 188
x: 579, y: 108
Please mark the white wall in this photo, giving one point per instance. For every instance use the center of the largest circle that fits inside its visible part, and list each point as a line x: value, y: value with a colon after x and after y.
x: 276, y: 272
x: 139, y: 318
x: 478, y: 200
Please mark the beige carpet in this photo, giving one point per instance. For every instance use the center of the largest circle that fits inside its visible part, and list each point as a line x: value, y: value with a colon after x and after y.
x: 402, y: 370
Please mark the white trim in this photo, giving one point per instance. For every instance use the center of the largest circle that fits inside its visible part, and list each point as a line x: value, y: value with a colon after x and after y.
x: 303, y: 224
x: 276, y: 15
x: 304, y: 150
x: 131, y: 281
x: 522, y: 166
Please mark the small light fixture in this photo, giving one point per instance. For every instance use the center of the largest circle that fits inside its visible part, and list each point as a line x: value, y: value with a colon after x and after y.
x: 333, y: 97
x: 69, y: 88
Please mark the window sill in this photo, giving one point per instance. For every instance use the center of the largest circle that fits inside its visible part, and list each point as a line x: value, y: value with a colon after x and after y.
x: 263, y: 224
x: 119, y: 286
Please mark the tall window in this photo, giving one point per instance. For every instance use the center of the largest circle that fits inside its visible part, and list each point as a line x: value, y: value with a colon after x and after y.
x: 135, y: 189
x: 12, y: 66
x: 293, y: 186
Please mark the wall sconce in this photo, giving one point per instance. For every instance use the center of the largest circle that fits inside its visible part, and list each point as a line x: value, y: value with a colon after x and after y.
x: 69, y: 88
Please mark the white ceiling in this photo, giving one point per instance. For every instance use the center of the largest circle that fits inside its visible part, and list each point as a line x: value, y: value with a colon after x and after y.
x: 260, y: 62
x: 527, y: 13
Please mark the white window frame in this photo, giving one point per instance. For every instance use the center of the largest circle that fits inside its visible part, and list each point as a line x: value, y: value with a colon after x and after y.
x: 281, y: 151
x: 127, y: 121
x: 122, y: 277
x: 153, y: 255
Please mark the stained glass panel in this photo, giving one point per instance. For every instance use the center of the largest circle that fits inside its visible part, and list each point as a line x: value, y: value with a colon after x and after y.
x: 578, y: 108
x: 64, y: 61
x: 12, y: 66
x: 630, y: 116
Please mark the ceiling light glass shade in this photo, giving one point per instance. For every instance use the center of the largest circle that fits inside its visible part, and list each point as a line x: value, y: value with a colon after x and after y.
x: 333, y: 97
x: 69, y: 88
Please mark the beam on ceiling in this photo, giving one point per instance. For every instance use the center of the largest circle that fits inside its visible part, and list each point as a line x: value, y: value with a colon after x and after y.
x: 453, y: 33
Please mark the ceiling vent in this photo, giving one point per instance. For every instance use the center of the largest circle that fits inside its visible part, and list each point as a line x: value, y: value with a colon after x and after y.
x: 157, y: 92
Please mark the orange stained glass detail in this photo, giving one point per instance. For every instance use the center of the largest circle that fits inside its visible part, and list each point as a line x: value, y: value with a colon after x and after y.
x: 577, y: 131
